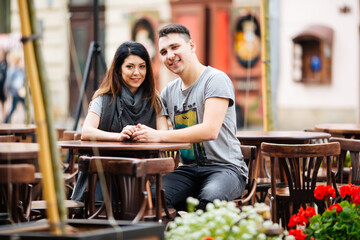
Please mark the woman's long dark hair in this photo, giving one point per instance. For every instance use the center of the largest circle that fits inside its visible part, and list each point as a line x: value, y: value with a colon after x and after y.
x: 113, y: 79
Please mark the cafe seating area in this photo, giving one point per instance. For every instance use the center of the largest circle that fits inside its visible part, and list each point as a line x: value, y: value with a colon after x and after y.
x: 284, y: 169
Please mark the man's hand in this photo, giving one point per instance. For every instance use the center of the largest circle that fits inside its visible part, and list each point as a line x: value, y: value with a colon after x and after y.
x: 144, y: 133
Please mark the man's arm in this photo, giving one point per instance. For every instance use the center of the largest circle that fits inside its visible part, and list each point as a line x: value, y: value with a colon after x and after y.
x: 162, y: 123
x: 214, y: 114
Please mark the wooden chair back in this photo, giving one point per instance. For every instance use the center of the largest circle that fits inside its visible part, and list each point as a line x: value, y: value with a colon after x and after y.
x: 68, y: 135
x: 128, y: 177
x: 351, y: 148
x: 16, y: 190
x: 125, y: 181
x: 299, y: 165
x: 173, y: 154
x: 250, y: 157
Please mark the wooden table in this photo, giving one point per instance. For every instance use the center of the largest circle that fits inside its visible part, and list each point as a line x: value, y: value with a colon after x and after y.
x: 134, y: 149
x: 18, y: 152
x: 255, y: 138
x: 123, y: 149
x: 22, y: 132
x: 347, y: 130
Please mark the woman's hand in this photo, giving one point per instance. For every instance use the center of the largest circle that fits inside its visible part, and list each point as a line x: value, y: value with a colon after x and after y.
x: 127, y: 132
x: 144, y: 133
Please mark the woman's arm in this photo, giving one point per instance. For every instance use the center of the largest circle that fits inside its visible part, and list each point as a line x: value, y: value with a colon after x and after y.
x: 90, y: 130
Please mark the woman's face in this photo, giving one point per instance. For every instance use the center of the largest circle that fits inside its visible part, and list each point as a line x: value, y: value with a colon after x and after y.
x: 133, y: 72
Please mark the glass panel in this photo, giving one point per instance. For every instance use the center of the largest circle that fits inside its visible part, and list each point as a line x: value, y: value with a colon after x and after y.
x: 81, y: 48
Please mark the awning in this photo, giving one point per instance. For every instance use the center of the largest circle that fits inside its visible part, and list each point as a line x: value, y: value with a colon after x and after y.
x: 316, y: 32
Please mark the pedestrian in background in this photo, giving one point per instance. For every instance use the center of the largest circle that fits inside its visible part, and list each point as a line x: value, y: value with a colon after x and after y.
x: 3, y: 69
x: 14, y: 84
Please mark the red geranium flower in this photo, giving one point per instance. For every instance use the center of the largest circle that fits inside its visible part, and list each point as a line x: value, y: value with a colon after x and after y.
x: 355, y: 191
x: 346, y: 190
x: 356, y: 199
x: 337, y: 207
x: 208, y: 238
x: 323, y: 191
x: 293, y: 221
x: 302, y: 218
x: 309, y: 212
x: 298, y: 234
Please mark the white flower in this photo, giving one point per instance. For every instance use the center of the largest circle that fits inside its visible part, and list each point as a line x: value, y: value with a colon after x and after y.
x: 246, y: 236
x: 209, y: 207
x: 222, y: 219
x: 172, y: 225
x: 267, y: 224
x: 192, y: 201
x: 290, y: 237
x: 211, y: 224
x: 261, y: 236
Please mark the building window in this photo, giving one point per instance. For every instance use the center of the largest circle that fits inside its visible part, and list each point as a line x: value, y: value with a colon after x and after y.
x: 312, y: 55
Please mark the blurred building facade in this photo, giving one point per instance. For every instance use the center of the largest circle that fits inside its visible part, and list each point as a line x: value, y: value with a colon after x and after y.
x: 315, y: 77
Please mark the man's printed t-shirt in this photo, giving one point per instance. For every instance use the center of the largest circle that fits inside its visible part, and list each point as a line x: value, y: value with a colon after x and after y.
x: 185, y: 108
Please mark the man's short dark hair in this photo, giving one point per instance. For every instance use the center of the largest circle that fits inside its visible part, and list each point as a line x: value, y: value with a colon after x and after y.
x: 174, y: 28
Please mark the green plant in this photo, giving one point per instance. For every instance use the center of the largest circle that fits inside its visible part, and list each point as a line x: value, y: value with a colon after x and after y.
x: 223, y: 220
x: 339, y: 221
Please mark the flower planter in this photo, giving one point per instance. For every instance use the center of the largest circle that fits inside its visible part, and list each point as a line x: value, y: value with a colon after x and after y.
x: 85, y: 229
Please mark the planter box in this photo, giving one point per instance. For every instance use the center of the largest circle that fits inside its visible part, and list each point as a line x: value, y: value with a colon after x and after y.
x: 86, y: 229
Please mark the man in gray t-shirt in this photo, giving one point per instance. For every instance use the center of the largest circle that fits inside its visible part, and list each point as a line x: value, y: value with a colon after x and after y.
x: 200, y: 105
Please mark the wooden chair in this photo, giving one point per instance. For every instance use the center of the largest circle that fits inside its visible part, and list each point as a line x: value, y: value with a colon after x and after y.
x: 320, y: 140
x: 299, y: 165
x: 351, y: 148
x: 15, y: 190
x: 125, y: 181
x: 75, y: 209
x: 173, y: 154
x: 70, y: 170
x: 69, y: 157
x: 130, y: 175
x: 344, y: 175
x: 248, y: 197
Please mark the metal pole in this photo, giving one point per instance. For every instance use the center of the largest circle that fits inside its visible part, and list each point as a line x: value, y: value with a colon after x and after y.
x: 84, y: 83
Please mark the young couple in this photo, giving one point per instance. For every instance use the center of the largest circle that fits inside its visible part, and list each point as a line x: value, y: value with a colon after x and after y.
x: 200, y: 105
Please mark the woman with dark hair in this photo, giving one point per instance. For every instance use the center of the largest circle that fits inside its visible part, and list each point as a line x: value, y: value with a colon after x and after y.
x: 125, y: 98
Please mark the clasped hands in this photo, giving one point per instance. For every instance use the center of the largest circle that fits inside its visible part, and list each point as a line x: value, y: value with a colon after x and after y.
x: 139, y: 133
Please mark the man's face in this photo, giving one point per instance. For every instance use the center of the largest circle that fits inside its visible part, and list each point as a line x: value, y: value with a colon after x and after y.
x: 175, y: 52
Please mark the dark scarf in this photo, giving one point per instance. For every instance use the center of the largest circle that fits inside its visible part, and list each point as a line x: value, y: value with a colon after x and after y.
x: 126, y: 109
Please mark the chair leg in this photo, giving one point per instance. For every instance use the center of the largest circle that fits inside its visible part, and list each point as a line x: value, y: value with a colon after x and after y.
x: 273, y: 209
x: 284, y: 211
x: 164, y: 205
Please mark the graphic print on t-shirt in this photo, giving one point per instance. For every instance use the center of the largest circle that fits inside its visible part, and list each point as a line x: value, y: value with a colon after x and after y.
x: 186, y: 119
